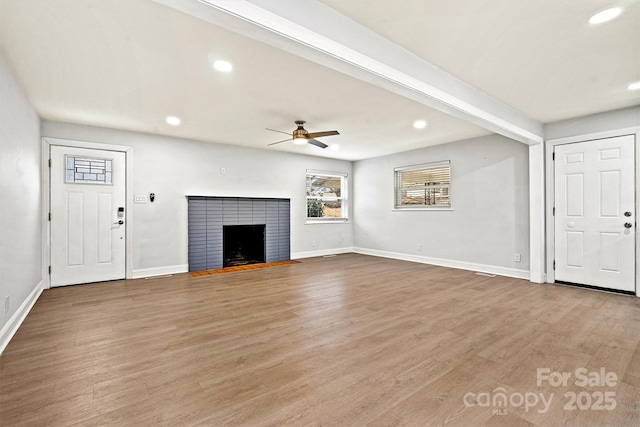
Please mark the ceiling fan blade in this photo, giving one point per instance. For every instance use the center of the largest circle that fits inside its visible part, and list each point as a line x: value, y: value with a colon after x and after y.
x: 317, y: 143
x: 274, y: 143
x: 325, y: 133
x: 279, y: 131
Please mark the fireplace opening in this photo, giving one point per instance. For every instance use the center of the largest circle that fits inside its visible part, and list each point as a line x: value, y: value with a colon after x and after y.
x: 243, y: 244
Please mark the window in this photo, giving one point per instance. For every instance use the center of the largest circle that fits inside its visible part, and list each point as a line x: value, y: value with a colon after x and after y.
x: 427, y: 185
x: 85, y: 170
x: 326, y: 196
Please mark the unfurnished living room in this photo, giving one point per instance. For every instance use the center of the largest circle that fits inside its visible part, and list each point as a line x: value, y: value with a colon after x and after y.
x: 319, y: 212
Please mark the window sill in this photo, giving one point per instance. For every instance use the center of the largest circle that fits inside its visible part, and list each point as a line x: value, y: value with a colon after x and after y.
x: 330, y: 221
x: 421, y: 209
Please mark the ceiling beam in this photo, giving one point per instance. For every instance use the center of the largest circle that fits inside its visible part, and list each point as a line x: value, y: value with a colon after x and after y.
x: 318, y: 33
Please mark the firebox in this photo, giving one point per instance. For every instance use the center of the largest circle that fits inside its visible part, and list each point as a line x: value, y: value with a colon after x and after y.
x: 243, y: 244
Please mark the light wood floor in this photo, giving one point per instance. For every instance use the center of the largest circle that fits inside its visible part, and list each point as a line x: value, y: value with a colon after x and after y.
x: 350, y: 340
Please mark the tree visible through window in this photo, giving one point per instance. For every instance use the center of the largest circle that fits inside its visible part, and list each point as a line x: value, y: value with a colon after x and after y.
x: 326, y: 199
x: 426, y: 185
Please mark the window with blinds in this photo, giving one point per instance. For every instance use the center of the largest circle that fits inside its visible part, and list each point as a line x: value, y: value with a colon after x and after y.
x: 427, y: 185
x: 326, y: 196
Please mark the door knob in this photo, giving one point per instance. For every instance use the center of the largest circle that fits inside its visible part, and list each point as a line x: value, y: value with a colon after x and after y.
x: 627, y: 214
x: 627, y: 225
x: 119, y: 222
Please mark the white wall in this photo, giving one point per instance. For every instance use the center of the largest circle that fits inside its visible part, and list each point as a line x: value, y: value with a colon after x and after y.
x: 602, y: 122
x: 20, y: 212
x: 489, y: 222
x: 174, y: 168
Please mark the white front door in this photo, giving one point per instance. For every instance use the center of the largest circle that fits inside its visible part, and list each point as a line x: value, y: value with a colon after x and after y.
x: 87, y: 215
x: 594, y: 213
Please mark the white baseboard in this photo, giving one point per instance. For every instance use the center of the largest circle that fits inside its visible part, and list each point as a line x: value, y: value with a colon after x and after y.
x: 481, y: 268
x: 160, y: 271
x: 323, y: 252
x: 9, y: 330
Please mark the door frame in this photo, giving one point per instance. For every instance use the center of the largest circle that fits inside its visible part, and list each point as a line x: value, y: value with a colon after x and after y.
x: 47, y: 142
x: 550, y: 192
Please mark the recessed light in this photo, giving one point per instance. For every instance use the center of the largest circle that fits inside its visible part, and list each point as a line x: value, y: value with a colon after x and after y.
x: 334, y: 147
x: 173, y: 120
x: 634, y: 86
x: 420, y: 124
x: 223, y: 66
x: 605, y: 16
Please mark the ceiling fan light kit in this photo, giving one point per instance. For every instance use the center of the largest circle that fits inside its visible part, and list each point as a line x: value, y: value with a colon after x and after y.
x: 301, y: 136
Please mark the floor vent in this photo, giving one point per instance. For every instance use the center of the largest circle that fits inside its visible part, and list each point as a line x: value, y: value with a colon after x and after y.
x: 485, y: 274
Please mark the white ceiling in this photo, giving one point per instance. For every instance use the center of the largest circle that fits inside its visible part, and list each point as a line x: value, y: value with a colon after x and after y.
x: 129, y: 64
x: 539, y: 56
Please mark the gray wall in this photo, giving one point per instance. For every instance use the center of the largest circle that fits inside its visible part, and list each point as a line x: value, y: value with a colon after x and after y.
x: 611, y: 120
x: 20, y: 196
x: 173, y: 168
x: 489, y: 221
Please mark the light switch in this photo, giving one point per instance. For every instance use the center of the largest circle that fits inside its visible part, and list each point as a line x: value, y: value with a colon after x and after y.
x: 140, y: 198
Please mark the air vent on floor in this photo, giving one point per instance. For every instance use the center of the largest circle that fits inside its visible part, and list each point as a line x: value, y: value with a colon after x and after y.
x: 485, y: 274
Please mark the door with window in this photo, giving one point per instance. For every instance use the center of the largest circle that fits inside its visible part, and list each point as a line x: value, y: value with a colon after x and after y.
x: 594, y: 213
x: 87, y: 215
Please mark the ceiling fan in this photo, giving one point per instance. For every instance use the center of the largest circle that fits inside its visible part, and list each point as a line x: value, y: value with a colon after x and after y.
x: 301, y: 136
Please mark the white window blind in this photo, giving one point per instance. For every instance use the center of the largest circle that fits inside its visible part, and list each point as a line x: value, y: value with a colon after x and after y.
x: 426, y: 185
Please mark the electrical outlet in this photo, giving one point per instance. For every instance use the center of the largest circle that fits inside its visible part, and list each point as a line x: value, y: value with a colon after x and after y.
x: 7, y: 304
x: 516, y: 257
x: 419, y: 247
x: 313, y: 243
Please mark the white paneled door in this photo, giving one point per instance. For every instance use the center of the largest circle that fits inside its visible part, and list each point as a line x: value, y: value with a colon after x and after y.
x: 595, y: 222
x: 87, y: 215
